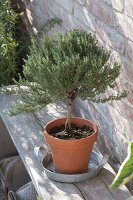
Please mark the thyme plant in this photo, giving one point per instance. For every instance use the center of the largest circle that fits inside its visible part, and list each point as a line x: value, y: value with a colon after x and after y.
x: 62, y: 67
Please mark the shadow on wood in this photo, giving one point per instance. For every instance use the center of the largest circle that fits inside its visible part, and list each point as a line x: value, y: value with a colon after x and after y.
x: 7, y: 147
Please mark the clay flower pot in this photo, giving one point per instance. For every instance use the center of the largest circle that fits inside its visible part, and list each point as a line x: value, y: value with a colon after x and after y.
x: 71, y: 156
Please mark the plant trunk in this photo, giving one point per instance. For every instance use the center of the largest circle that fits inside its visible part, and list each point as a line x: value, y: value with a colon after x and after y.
x: 71, y: 99
x: 69, y: 115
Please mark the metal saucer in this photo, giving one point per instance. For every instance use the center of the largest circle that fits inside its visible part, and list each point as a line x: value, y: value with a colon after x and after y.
x: 97, y: 161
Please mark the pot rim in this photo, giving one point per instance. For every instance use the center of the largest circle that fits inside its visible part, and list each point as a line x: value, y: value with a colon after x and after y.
x: 73, y: 140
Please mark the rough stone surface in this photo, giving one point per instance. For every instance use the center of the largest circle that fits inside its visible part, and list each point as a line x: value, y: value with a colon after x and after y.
x: 67, y: 5
x: 129, y: 8
x: 125, y: 25
x: 101, y: 10
x: 82, y: 2
x: 129, y: 50
x: 118, y: 5
x: 111, y: 37
x: 127, y: 70
x: 84, y: 17
x: 112, y: 22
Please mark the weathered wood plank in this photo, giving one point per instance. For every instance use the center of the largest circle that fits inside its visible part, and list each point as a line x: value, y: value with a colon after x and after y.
x: 26, y: 132
x: 107, y: 176
x: 98, y: 188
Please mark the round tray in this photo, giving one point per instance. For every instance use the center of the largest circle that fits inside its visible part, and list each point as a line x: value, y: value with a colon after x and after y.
x: 97, y: 161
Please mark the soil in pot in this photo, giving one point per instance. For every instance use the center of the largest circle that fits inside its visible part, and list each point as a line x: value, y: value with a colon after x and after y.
x: 74, y: 133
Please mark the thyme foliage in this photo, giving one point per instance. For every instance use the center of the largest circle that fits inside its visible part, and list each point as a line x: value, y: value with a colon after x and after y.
x: 64, y: 64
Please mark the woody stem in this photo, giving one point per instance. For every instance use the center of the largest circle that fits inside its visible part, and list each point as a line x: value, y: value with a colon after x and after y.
x: 71, y: 99
x: 69, y: 115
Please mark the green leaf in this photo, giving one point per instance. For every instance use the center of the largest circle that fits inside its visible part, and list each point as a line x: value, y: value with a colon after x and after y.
x: 125, y: 173
x: 131, y: 198
x: 39, y: 198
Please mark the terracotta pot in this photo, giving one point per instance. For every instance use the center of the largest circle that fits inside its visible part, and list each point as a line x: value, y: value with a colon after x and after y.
x: 71, y: 156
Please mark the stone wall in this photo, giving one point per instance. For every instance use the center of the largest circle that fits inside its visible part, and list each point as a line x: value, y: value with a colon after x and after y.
x: 112, y: 22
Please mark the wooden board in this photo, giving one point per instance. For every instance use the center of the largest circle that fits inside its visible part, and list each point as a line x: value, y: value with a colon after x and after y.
x: 26, y: 131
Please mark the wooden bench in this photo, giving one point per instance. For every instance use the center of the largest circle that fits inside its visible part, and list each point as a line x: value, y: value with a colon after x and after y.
x: 26, y: 131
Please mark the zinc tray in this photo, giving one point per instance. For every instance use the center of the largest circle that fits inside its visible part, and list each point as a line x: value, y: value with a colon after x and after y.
x: 97, y: 161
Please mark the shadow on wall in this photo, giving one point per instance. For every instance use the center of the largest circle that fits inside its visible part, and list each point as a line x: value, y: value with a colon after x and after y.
x: 29, y: 19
